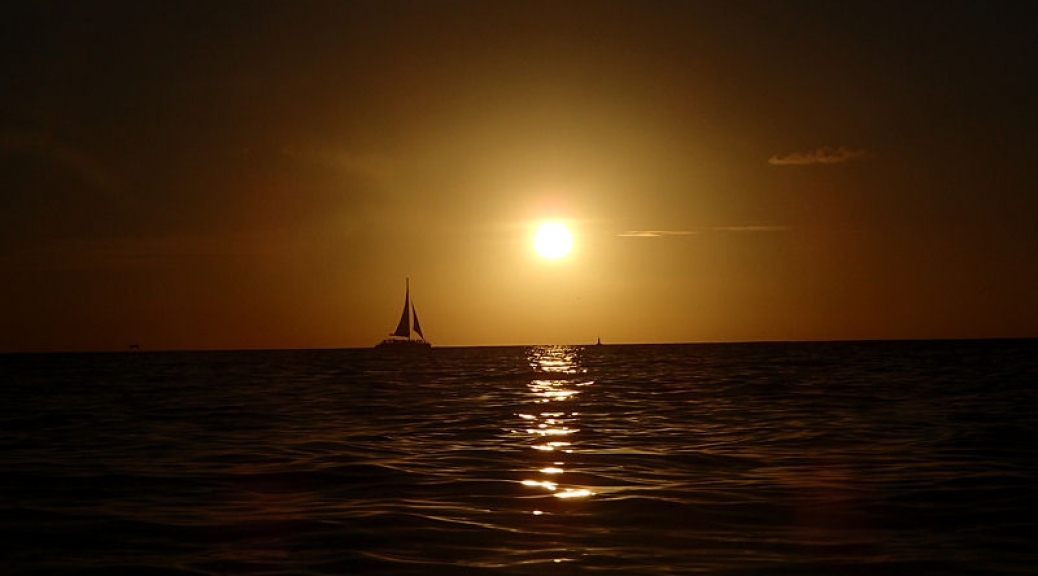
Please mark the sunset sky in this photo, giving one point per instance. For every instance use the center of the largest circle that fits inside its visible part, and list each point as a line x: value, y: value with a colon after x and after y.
x: 200, y: 175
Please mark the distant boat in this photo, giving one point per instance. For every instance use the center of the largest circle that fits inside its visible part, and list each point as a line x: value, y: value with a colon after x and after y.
x: 599, y: 343
x: 401, y: 339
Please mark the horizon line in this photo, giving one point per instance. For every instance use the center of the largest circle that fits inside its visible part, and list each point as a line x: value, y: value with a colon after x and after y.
x: 580, y: 345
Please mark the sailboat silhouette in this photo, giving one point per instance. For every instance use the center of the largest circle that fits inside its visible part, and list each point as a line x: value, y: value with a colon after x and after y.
x: 401, y: 339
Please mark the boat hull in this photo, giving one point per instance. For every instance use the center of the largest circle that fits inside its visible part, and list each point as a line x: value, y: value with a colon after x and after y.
x: 403, y: 346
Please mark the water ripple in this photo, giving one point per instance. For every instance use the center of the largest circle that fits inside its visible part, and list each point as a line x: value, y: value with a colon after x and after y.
x: 742, y: 459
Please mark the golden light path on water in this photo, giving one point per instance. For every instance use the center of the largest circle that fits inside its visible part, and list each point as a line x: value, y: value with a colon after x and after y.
x: 551, y: 418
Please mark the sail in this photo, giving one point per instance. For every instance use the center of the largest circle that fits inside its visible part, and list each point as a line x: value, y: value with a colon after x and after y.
x: 400, y: 340
x: 403, y: 329
x: 417, y: 326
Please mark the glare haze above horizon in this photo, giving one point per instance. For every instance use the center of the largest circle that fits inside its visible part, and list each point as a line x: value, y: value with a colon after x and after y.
x: 265, y: 175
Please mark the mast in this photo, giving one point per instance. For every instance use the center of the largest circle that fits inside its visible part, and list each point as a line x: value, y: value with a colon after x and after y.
x: 403, y: 329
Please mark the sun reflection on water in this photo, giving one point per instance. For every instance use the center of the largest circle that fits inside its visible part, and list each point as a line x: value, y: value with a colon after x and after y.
x: 574, y: 493
x: 558, y: 380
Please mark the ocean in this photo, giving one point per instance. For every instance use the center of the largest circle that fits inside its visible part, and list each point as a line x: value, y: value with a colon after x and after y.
x: 905, y: 457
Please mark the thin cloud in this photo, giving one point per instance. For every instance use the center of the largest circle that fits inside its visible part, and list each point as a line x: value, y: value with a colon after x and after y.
x: 824, y: 155
x: 739, y: 229
x: 66, y: 156
x: 656, y: 233
x: 150, y: 252
x: 750, y: 229
x: 376, y: 168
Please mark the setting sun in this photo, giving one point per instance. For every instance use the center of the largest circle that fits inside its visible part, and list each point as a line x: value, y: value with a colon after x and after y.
x: 552, y: 240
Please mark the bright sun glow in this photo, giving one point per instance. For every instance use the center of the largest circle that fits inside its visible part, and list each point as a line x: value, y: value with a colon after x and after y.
x: 553, y: 240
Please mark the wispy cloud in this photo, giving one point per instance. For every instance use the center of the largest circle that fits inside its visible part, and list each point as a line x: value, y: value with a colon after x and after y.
x: 61, y: 154
x: 823, y: 155
x: 374, y: 167
x: 661, y: 233
x: 155, y: 251
x: 750, y: 229
x: 656, y: 233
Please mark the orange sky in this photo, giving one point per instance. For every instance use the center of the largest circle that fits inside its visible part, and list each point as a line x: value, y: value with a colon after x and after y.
x: 265, y: 174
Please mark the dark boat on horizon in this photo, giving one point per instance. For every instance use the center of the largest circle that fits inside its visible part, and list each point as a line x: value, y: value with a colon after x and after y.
x: 400, y: 339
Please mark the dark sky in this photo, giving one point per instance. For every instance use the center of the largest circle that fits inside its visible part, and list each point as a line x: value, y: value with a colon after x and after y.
x: 265, y: 174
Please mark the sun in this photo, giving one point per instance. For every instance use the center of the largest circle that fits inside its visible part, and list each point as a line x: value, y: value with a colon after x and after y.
x: 553, y: 240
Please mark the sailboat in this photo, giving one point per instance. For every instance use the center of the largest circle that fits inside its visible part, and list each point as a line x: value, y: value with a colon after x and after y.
x: 401, y: 339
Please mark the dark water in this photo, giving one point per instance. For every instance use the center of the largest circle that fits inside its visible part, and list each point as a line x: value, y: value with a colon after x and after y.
x: 802, y: 458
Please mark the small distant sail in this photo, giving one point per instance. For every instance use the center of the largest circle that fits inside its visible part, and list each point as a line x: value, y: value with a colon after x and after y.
x: 403, y: 329
x: 417, y: 326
